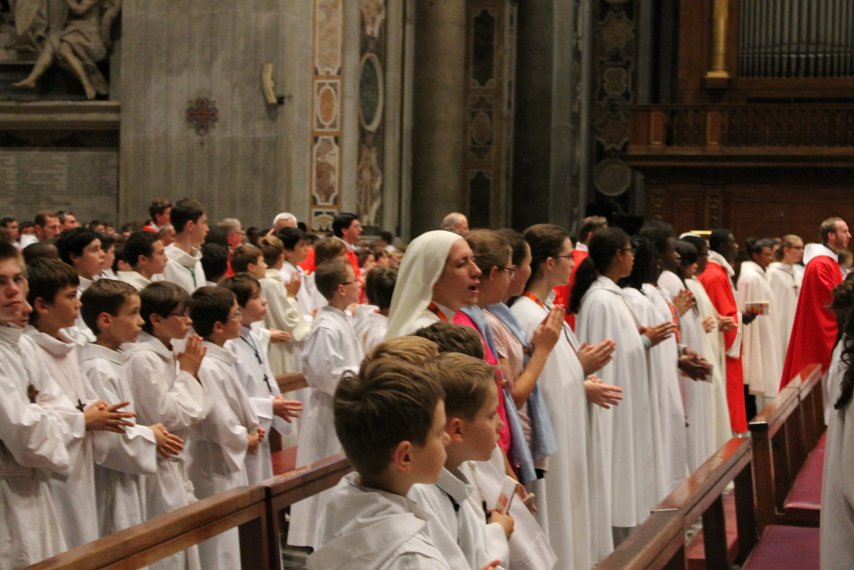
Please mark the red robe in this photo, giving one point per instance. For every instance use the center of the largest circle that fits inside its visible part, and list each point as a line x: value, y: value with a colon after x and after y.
x: 718, y: 286
x: 562, y: 292
x: 814, y: 330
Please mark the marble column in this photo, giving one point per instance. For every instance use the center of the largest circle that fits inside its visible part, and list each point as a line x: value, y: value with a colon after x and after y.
x: 437, y: 136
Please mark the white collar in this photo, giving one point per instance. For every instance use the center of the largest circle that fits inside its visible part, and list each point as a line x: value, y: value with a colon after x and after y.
x: 719, y: 259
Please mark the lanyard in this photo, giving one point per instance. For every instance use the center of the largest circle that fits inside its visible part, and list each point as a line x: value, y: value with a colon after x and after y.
x: 251, y: 344
x: 434, y: 308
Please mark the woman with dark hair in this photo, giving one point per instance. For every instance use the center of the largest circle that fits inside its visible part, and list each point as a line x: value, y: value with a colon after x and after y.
x: 624, y: 435
x: 837, y: 491
x: 762, y: 362
x: 668, y: 417
x: 573, y: 506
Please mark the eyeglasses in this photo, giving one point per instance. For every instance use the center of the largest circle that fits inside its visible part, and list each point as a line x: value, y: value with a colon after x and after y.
x: 511, y: 271
x: 565, y: 255
x: 236, y: 316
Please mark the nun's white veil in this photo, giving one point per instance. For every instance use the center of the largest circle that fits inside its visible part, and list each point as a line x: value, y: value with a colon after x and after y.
x: 423, y: 264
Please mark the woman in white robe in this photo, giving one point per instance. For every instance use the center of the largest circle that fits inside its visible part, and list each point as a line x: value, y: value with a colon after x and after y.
x: 621, y: 437
x: 785, y: 278
x: 761, y: 360
x: 714, y: 350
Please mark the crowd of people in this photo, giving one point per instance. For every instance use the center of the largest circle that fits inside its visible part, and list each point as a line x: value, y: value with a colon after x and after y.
x: 584, y: 379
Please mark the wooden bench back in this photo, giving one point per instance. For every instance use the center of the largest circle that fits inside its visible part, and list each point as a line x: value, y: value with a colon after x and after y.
x: 291, y: 382
x: 660, y: 541
x: 783, y: 433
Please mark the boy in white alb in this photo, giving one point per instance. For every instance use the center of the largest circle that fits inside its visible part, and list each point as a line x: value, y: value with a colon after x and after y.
x: 111, y: 311
x: 390, y: 420
x: 81, y: 249
x: 53, y: 296
x: 222, y: 440
x: 370, y: 321
x: 166, y: 390
x: 283, y: 312
x: 145, y: 254
x: 184, y: 266
x: 35, y: 439
x: 330, y: 351
x: 253, y: 371
x: 293, y: 240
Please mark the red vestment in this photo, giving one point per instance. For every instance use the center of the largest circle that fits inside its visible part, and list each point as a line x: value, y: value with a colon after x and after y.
x: 814, y: 330
x: 562, y: 292
x: 716, y: 281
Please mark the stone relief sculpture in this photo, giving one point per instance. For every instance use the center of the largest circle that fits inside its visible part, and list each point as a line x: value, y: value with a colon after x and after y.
x: 79, y: 44
x: 34, y: 21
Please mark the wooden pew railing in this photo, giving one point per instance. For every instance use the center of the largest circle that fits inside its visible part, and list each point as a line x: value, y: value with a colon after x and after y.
x: 660, y: 541
x: 783, y: 433
x: 291, y: 382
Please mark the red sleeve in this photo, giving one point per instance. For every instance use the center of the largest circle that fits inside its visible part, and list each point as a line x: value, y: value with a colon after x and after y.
x: 719, y: 290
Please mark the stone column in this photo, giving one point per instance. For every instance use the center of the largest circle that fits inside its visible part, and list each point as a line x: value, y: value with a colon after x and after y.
x: 437, y: 112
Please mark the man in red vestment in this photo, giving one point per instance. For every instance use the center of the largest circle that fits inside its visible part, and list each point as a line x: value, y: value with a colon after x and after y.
x: 717, y: 280
x: 347, y: 228
x: 814, y: 329
x: 589, y: 226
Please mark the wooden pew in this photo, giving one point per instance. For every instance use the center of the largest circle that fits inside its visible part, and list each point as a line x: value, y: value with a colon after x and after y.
x: 153, y: 540
x: 285, y: 490
x: 660, y: 541
x: 783, y: 433
x: 291, y: 382
x: 284, y: 459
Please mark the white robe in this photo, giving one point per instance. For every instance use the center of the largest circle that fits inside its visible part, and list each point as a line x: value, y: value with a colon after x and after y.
x: 218, y: 449
x: 252, y: 366
x: 624, y: 433
x: 785, y: 281
x: 163, y: 394
x: 571, y: 502
x: 330, y: 350
x: 123, y: 463
x: 75, y: 493
x: 134, y: 278
x: 288, y: 273
x: 716, y: 355
x: 283, y: 313
x: 668, y: 417
x: 457, y: 524
x: 370, y: 326
x: 761, y: 359
x: 369, y: 528
x: 184, y: 268
x: 36, y: 439
x: 837, y: 492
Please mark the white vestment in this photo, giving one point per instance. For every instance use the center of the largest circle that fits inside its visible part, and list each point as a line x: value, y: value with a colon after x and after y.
x: 35, y: 437
x: 369, y: 528
x: 715, y: 354
x: 837, y: 491
x: 215, y: 458
x: 251, y: 363
x: 330, y: 350
x: 75, y: 493
x: 571, y: 503
x: 761, y: 359
x: 163, y: 394
x: 624, y: 433
x: 785, y: 281
x: 184, y: 268
x: 304, y: 298
x: 284, y: 314
x: 457, y: 524
x: 134, y: 278
x: 126, y: 459
x: 370, y: 326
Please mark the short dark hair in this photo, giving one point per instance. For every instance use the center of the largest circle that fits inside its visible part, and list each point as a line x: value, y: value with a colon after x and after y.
x: 290, y: 237
x: 47, y: 278
x: 271, y: 248
x: 40, y: 219
x: 327, y: 249
x: 73, y: 242
x: 379, y: 286
x: 139, y: 243
x: 209, y: 306
x: 41, y: 249
x: 828, y: 226
x: 214, y: 260
x: 243, y: 256
x: 4, y: 222
x: 450, y: 337
x: 342, y: 221
x: 243, y: 285
x: 9, y: 251
x: 161, y: 298
x: 61, y: 214
x: 104, y: 296
x: 328, y: 276
x: 591, y: 224
x: 718, y: 238
x: 386, y: 236
x: 158, y: 206
x: 388, y: 402
x: 466, y: 381
x: 186, y: 210
x: 517, y: 242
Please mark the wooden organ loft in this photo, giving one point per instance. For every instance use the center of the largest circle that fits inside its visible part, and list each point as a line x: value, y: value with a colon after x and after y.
x: 760, y: 138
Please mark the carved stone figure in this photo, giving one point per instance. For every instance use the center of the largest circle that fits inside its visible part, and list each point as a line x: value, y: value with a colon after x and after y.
x: 79, y: 45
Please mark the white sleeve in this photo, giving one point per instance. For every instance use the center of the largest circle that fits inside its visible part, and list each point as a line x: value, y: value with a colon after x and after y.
x: 323, y: 360
x: 222, y: 426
